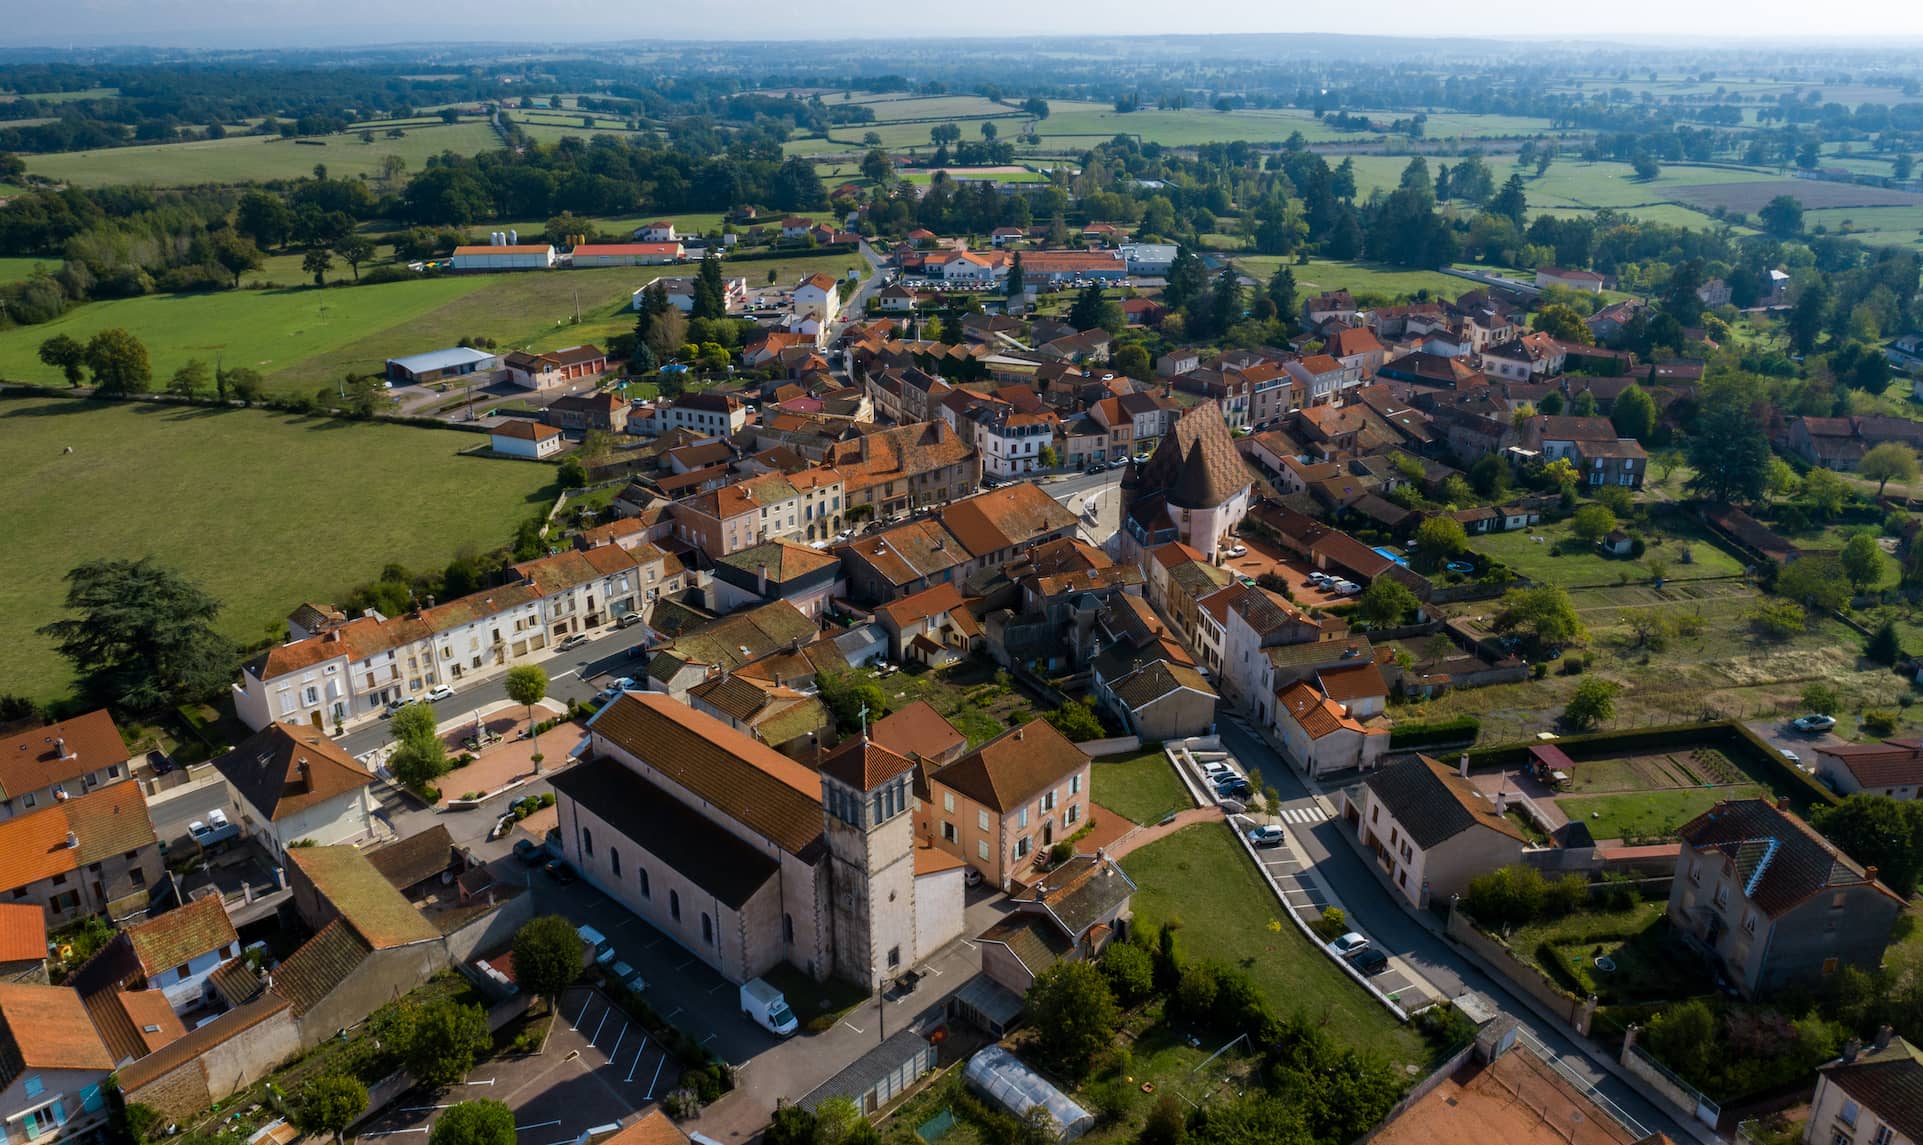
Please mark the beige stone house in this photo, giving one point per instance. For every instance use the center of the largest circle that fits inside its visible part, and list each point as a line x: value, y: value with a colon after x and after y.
x: 1008, y: 800
x: 1431, y: 830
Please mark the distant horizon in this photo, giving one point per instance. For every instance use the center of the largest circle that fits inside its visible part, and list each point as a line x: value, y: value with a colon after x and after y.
x: 291, y: 25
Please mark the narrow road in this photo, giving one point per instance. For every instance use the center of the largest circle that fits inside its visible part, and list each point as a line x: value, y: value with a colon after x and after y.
x: 1336, y: 863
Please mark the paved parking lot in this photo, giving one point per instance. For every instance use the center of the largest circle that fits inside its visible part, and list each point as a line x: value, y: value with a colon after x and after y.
x: 598, y: 1068
x: 1294, y: 880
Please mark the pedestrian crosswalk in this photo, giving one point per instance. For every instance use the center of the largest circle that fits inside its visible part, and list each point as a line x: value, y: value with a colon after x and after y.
x: 1303, y: 816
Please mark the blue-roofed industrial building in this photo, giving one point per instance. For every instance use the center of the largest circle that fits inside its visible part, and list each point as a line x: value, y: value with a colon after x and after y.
x: 440, y: 365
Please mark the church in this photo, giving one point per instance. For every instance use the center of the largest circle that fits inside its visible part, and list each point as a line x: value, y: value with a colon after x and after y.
x: 1194, y: 488
x: 748, y: 858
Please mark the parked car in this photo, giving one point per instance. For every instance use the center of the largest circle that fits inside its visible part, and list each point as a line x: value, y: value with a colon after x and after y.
x: 1270, y: 835
x: 572, y: 642
x: 1234, y: 787
x: 530, y: 852
x: 217, y: 829
x: 1239, y: 551
x: 628, y: 620
x: 559, y: 871
x: 971, y: 877
x: 1813, y: 723
x: 396, y: 705
x: 1793, y: 759
x: 618, y: 686
x: 1370, y: 962
x: 1096, y: 467
x: 628, y: 977
x: 438, y: 693
x: 1349, y: 945
x: 1217, y: 771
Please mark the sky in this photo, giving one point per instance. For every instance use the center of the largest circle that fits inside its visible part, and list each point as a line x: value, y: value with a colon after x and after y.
x: 294, y: 23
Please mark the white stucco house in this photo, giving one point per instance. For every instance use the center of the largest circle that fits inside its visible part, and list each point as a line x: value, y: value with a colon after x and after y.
x: 294, y: 784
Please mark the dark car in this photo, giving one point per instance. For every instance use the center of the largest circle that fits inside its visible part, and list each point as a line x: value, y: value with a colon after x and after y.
x: 530, y: 852
x: 1096, y: 467
x: 559, y: 871
x: 1370, y: 962
x: 1234, y: 787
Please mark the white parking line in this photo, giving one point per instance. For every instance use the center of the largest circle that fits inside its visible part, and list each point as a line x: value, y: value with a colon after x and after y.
x: 617, y: 1043
x: 852, y: 1026
x: 584, y: 1012
x: 637, y: 1057
x: 536, y: 1125
x: 423, y: 1108
x: 390, y: 1132
x: 597, y: 1026
x: 657, y: 1077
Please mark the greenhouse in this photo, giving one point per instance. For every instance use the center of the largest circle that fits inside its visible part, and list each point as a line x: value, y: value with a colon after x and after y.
x: 1003, y: 1079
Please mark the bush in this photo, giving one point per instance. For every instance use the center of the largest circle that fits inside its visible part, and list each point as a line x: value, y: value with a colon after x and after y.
x: 1130, y: 972
x: 1060, y: 853
x: 1880, y: 721
x: 1332, y: 925
x: 1461, y: 729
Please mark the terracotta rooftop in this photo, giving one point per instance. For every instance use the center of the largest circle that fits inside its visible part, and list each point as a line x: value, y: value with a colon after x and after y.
x: 41, y: 757
x: 23, y: 932
x: 46, y: 1027
x: 917, y: 730
x: 106, y: 821
x: 165, y: 941
x: 1005, y: 772
x: 863, y: 764
x: 764, y: 790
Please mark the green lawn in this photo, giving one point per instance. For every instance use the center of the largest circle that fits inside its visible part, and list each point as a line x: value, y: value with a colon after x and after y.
x: 1650, y: 814
x: 21, y: 269
x: 262, y: 510
x: 1650, y: 964
x: 1202, y: 877
x: 239, y: 158
x: 1581, y: 564
x: 1143, y: 787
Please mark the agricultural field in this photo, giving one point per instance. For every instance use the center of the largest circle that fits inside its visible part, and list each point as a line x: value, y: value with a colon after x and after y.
x: 1752, y: 195
x: 1702, y: 659
x: 1328, y: 274
x: 1894, y: 226
x: 999, y: 174
x: 245, y: 502
x: 1647, y: 797
x: 239, y: 158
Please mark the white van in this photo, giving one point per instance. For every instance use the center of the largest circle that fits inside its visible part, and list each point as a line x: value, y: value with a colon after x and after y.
x: 595, y: 941
x: 764, y: 1005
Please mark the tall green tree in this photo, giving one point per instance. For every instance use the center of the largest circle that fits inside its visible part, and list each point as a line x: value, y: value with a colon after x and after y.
x: 118, y: 362
x: 354, y: 250
x: 329, y: 1105
x: 710, y: 292
x: 1186, y: 279
x: 1385, y: 602
x: 143, y: 635
x: 1879, y: 832
x: 1282, y: 293
x: 444, y: 1041
x: 527, y: 685
x: 1093, y: 310
x: 1017, y: 284
x: 1074, y: 1013
x: 65, y: 354
x: 1890, y: 461
x: 1862, y: 561
x: 1729, y: 450
x: 485, y: 1122
x: 1634, y: 414
x: 1225, y: 301
x: 1511, y: 202
x: 190, y: 380
x: 236, y: 254
x: 317, y: 262
x: 547, y: 957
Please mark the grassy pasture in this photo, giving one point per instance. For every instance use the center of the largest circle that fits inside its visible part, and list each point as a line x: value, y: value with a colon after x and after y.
x: 263, y: 510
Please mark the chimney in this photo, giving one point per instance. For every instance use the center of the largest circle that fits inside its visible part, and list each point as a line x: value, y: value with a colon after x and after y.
x: 761, y: 579
x: 1852, y: 1048
x: 1462, y: 768
x: 73, y: 840
x: 1869, y: 873
x: 305, y: 772
x: 1018, y: 733
x: 1782, y: 803
x: 60, y: 748
x: 1882, y: 1041
x: 1502, y: 802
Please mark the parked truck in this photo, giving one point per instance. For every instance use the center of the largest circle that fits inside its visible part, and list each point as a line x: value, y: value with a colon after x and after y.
x: 765, y: 1007
x: 216, y: 829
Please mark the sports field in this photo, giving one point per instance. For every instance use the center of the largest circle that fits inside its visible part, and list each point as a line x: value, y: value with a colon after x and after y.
x: 1328, y: 274
x: 263, y: 510
x: 238, y: 158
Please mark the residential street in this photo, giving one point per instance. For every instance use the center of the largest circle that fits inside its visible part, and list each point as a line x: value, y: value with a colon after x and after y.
x: 1347, y: 874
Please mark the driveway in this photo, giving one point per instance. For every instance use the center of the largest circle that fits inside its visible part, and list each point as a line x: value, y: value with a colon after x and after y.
x: 706, y: 1006
x: 1347, y: 878
x: 1781, y: 736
